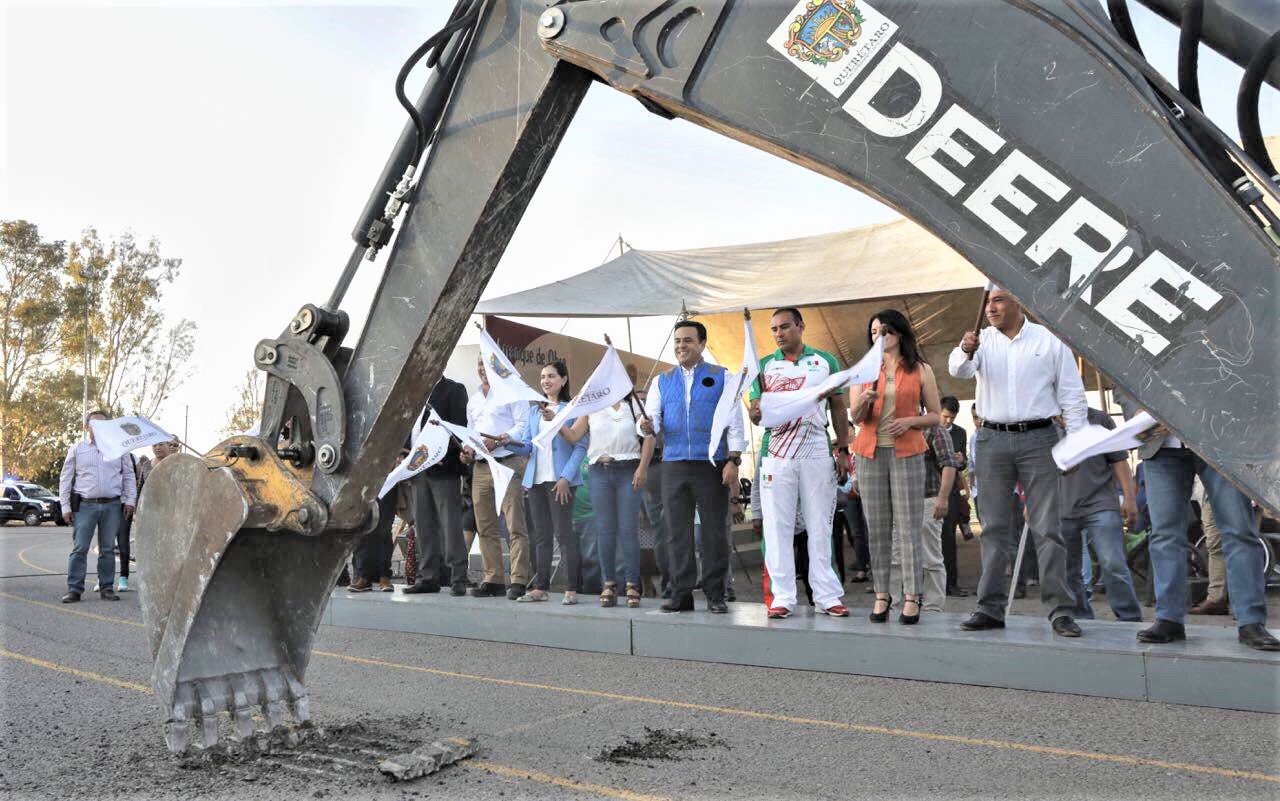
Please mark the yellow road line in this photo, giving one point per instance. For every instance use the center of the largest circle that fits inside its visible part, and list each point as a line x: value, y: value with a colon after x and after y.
x: 470, y: 764
x: 862, y: 728
x: 22, y: 557
x: 558, y: 781
x: 82, y: 674
x: 66, y: 609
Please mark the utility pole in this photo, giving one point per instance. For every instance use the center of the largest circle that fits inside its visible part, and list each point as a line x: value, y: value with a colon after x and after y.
x: 89, y: 275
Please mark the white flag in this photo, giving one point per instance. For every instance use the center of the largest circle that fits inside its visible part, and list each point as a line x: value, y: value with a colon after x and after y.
x: 777, y: 408
x: 505, y: 384
x: 430, y: 444
x: 1093, y: 440
x: 500, y: 472
x: 117, y: 437
x: 731, y: 398
x: 608, y: 385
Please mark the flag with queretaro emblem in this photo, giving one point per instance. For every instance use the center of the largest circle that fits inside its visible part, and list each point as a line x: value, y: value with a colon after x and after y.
x: 115, y: 438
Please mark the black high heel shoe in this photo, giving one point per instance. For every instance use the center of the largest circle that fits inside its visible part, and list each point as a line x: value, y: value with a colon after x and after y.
x: 909, y: 620
x: 881, y: 617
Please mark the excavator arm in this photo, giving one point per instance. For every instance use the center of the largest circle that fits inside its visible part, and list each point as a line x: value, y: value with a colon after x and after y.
x: 1024, y: 133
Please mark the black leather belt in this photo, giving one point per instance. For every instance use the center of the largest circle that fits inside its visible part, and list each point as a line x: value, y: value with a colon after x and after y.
x: 100, y: 500
x: 1026, y: 425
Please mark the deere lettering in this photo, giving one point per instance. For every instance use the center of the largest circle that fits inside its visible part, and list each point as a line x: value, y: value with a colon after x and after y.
x: 1148, y: 289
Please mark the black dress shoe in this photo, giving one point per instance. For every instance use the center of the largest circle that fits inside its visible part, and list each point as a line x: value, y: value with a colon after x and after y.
x: 108, y: 595
x: 980, y: 621
x: 458, y: 588
x: 489, y: 590
x: 956, y: 592
x: 514, y: 591
x: 1163, y: 631
x: 678, y: 603
x: 421, y: 587
x: 881, y: 617
x: 1256, y: 636
x: 717, y: 605
x: 71, y: 597
x: 1064, y: 626
x: 730, y: 596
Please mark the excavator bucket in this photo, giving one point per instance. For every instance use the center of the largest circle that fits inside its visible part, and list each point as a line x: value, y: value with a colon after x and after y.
x: 232, y: 592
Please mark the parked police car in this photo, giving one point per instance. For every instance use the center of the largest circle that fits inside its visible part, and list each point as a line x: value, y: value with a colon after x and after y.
x: 30, y: 503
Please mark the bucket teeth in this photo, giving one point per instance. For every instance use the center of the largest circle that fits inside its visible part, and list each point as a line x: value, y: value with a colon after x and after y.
x: 228, y: 704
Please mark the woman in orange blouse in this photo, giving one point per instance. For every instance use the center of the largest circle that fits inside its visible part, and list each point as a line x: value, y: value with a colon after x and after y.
x: 890, y: 453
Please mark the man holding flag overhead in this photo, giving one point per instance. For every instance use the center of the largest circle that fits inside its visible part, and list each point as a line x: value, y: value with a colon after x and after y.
x: 106, y: 490
x: 797, y: 470
x: 682, y: 404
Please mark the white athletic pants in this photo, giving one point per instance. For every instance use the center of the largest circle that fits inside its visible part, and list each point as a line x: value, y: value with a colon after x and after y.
x: 807, y: 486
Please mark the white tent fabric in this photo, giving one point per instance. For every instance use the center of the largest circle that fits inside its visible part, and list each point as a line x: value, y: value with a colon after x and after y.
x: 838, y: 280
x: 891, y: 259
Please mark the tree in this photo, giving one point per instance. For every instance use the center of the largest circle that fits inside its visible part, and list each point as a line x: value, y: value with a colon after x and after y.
x: 31, y: 308
x: 246, y: 411
x: 136, y: 359
x: 44, y: 421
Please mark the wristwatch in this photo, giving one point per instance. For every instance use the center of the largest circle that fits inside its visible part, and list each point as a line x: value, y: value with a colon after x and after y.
x: 737, y: 461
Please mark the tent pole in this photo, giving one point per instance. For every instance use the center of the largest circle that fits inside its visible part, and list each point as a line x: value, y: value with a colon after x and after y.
x: 630, y: 347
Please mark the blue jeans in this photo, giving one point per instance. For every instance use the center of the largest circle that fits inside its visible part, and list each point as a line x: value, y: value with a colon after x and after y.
x: 1169, y: 474
x: 616, y: 506
x: 106, y: 518
x: 587, y: 547
x: 1106, y: 531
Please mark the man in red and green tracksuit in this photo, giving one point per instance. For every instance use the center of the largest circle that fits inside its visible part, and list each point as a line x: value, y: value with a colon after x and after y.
x: 797, y: 471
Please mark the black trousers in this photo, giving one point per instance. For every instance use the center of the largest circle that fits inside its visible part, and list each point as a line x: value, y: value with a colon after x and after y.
x: 686, y: 487
x: 957, y: 516
x: 552, y: 522
x: 857, y: 529
x: 441, y: 550
x: 122, y: 545
x: 372, y: 558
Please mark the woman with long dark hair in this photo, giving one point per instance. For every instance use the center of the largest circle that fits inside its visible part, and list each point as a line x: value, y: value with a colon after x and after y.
x: 890, y: 453
x: 551, y: 478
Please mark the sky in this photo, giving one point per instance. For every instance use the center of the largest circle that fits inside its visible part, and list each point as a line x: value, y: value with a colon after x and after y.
x: 246, y: 139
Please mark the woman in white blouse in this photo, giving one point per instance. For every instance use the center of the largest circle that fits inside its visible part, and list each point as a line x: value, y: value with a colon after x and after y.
x: 612, y: 457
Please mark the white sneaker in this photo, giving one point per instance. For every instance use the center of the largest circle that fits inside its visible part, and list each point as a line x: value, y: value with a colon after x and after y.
x: 97, y: 587
x: 124, y: 585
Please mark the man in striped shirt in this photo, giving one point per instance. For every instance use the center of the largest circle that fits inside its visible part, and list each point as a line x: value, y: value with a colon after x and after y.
x: 797, y: 471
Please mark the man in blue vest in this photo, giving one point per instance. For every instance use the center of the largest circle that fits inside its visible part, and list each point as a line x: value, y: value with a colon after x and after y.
x: 680, y: 406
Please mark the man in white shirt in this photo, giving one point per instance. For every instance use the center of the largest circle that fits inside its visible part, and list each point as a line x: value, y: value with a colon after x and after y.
x: 681, y: 405
x: 500, y: 424
x: 107, y: 492
x: 1026, y: 377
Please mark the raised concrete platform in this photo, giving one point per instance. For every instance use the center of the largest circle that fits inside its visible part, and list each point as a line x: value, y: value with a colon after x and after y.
x: 1210, y: 669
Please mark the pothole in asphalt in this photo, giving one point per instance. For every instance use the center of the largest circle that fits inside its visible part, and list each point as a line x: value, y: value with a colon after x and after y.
x: 661, y: 745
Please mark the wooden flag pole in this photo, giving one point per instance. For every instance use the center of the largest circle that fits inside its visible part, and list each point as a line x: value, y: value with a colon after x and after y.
x: 982, y: 312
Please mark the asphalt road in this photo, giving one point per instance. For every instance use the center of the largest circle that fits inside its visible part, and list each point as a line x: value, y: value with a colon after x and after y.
x: 77, y: 720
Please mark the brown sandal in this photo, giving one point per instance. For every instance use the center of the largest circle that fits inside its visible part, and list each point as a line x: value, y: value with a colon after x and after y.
x: 633, y: 595
x: 609, y: 595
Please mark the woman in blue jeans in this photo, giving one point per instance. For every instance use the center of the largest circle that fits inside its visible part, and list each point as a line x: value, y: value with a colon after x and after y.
x: 550, y: 479
x: 613, y: 457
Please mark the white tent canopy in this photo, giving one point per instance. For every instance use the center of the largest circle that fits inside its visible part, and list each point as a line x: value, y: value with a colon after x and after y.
x: 839, y: 280
x: 880, y: 261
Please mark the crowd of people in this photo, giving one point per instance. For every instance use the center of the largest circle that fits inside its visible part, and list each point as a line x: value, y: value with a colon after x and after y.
x: 885, y: 464
x: 898, y: 468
